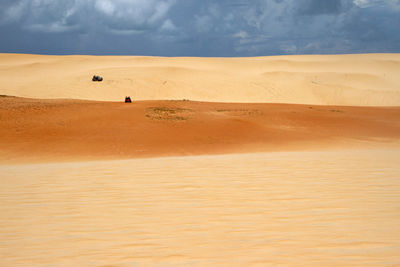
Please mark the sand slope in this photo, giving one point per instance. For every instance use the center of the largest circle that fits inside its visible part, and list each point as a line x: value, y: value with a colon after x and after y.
x: 275, y: 209
x: 366, y: 80
x: 52, y: 130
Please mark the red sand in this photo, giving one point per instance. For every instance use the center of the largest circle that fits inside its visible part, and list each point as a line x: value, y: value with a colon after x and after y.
x: 62, y: 130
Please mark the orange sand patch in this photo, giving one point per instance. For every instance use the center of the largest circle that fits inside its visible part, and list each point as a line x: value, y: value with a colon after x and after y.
x: 53, y: 130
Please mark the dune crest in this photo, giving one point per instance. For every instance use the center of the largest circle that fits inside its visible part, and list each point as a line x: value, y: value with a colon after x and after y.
x: 356, y: 80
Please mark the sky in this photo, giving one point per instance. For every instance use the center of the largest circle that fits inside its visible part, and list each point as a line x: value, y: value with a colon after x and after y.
x: 205, y: 28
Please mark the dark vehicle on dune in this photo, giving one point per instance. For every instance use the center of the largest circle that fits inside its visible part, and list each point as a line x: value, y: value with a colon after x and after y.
x: 97, y: 78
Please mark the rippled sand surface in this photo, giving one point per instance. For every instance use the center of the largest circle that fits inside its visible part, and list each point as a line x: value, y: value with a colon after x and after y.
x: 291, y: 208
x: 350, y: 80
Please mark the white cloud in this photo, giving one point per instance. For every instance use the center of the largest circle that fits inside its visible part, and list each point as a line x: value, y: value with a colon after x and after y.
x: 291, y: 49
x: 134, y: 11
x: 241, y: 35
x: 105, y: 6
x: 160, y: 10
x: 168, y: 25
x: 313, y: 46
x: 60, y: 15
x: 378, y: 3
x: 362, y: 3
x: 55, y: 27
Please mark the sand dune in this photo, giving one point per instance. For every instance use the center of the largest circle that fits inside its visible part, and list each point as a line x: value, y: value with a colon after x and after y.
x: 358, y: 80
x: 328, y: 195
x: 337, y: 208
x: 54, y: 130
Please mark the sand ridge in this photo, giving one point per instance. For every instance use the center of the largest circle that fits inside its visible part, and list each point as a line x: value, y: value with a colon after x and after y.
x: 355, y: 80
x: 57, y: 130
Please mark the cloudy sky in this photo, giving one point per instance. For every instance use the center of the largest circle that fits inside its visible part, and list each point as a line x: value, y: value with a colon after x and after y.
x: 199, y: 27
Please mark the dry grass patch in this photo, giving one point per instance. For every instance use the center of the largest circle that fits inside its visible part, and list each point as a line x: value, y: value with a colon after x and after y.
x: 241, y: 112
x: 168, y: 113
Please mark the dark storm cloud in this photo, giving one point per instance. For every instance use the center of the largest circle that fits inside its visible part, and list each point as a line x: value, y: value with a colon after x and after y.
x: 199, y: 28
x: 318, y: 7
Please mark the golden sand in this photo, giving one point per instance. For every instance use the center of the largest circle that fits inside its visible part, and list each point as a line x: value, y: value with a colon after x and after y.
x: 300, y: 182
x: 361, y: 80
x: 283, y: 208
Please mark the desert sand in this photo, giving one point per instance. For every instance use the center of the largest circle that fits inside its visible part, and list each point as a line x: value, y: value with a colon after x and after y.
x: 328, y: 208
x: 289, y: 160
x: 35, y: 130
x: 355, y: 80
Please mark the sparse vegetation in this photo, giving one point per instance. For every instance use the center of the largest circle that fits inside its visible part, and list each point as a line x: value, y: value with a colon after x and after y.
x: 168, y: 113
x: 241, y: 112
x: 330, y: 110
